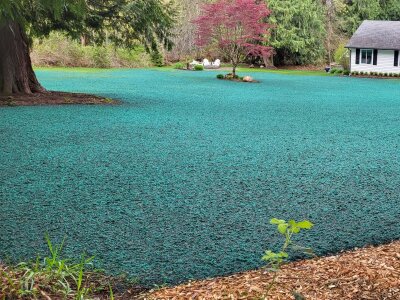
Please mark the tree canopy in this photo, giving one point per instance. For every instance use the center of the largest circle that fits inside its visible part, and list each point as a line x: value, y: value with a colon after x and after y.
x: 123, y: 21
x: 236, y: 28
x: 149, y: 21
x: 358, y: 11
x: 298, y: 31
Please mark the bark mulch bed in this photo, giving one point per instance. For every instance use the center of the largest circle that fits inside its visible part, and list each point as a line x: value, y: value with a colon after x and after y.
x: 368, y: 273
x: 53, y: 98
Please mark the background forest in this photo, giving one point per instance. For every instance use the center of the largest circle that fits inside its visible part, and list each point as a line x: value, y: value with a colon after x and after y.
x: 307, y: 32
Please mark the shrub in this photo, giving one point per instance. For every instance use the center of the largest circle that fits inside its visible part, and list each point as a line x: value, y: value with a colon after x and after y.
x: 157, y: 59
x: 220, y: 76
x: 346, y: 72
x: 355, y: 73
x: 231, y: 76
x: 339, y: 72
x: 60, y: 50
x: 342, y: 57
x: 390, y: 74
x: 100, y: 57
x: 333, y: 71
x: 386, y: 74
x: 396, y: 74
x: 198, y: 67
x: 179, y: 65
x: 129, y: 58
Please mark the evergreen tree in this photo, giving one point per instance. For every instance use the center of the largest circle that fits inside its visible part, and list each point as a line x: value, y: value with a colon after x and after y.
x: 390, y: 10
x: 333, y: 9
x: 299, y: 33
x: 149, y: 21
x: 357, y: 11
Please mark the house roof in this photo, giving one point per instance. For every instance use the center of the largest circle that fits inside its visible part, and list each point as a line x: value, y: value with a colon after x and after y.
x: 377, y: 35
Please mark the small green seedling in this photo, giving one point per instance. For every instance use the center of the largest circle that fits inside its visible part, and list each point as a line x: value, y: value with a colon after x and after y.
x: 276, y: 259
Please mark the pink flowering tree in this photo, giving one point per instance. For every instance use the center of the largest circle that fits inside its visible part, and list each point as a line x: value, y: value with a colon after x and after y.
x: 237, y: 27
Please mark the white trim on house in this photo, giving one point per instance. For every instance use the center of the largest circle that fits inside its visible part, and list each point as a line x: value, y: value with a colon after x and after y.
x: 385, y: 61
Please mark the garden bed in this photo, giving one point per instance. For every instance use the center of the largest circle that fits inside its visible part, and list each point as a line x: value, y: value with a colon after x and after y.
x: 236, y: 78
x: 369, y: 273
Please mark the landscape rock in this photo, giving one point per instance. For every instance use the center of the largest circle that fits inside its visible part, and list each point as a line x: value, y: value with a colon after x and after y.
x: 248, y: 79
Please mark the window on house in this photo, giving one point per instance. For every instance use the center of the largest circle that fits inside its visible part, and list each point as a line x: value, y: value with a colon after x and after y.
x: 366, y: 56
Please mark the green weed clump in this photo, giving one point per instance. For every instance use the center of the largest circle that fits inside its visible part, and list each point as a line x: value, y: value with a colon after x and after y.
x: 54, y: 277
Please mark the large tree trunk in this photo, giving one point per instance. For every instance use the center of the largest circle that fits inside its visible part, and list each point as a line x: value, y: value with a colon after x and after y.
x: 16, y: 73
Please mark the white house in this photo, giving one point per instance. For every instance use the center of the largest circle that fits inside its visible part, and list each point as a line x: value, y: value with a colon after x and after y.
x: 375, y: 47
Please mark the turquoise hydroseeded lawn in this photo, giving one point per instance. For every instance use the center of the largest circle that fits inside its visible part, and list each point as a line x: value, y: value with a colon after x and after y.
x: 181, y: 179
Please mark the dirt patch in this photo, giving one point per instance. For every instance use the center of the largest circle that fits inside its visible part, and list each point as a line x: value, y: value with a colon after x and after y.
x: 54, y: 98
x: 368, y: 273
x: 303, y: 68
x: 239, y: 80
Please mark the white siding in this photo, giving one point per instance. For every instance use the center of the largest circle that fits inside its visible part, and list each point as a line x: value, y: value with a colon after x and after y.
x: 385, y: 63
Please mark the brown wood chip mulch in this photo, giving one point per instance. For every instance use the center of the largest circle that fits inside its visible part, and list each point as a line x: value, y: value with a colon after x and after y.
x: 371, y: 273
x: 53, y: 98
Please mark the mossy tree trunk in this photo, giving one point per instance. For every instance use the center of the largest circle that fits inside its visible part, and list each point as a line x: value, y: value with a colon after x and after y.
x: 16, y: 72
